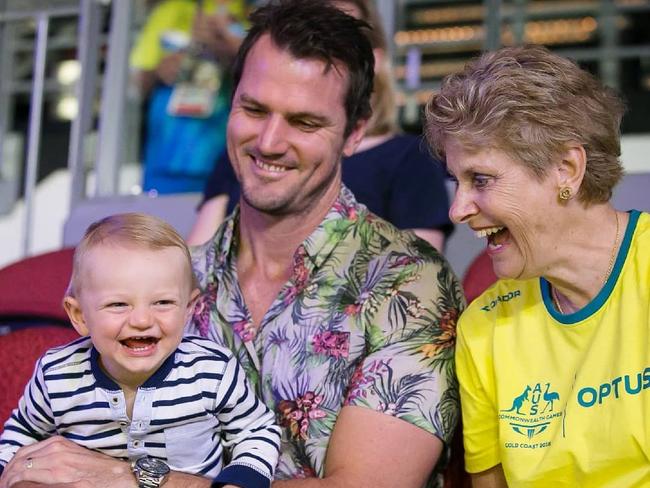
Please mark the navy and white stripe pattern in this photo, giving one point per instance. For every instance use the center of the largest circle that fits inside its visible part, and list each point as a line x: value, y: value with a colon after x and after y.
x: 198, y: 403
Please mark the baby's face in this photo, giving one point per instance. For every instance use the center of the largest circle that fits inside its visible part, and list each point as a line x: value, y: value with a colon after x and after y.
x: 134, y: 303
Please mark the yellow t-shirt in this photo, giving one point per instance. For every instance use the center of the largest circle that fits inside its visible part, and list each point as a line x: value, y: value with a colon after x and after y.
x: 174, y: 16
x: 561, y: 400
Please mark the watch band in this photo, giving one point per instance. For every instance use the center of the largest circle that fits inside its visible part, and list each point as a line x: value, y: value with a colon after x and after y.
x: 146, y: 481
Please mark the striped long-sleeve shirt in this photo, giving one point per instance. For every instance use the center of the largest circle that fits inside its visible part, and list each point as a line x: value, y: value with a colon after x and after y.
x: 196, y: 405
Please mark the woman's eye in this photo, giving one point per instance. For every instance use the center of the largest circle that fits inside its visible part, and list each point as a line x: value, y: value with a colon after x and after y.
x: 481, y: 181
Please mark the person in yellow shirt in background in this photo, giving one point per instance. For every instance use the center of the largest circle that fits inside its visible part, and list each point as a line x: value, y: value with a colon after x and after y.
x: 181, y: 58
x: 554, y: 359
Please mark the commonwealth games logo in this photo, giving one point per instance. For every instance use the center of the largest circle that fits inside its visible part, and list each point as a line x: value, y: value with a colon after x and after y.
x: 532, y: 410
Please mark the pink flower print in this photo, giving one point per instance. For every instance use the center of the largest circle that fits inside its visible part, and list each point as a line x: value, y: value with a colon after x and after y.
x: 297, y: 414
x: 299, y: 276
x: 349, y: 212
x: 358, y: 384
x: 245, y: 330
x: 332, y: 343
x: 201, y: 312
x: 403, y: 261
x: 352, y: 309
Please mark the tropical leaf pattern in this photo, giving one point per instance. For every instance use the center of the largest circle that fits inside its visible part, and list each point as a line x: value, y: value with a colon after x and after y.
x: 367, y: 319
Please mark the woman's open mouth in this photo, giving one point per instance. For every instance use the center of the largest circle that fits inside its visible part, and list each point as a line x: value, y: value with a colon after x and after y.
x: 496, y: 236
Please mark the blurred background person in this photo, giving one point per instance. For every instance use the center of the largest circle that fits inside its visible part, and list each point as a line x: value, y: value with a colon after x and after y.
x: 182, y: 57
x: 553, y: 359
x: 391, y: 173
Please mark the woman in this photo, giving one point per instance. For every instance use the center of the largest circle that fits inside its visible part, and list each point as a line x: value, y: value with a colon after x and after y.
x: 391, y: 173
x: 554, y: 359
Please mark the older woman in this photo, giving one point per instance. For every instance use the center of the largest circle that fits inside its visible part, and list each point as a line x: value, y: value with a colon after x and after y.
x: 554, y: 359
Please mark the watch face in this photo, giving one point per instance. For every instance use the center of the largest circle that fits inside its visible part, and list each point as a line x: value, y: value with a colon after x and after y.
x: 153, y: 466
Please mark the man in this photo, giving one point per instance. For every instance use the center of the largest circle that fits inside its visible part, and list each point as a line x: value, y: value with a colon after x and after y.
x: 344, y: 325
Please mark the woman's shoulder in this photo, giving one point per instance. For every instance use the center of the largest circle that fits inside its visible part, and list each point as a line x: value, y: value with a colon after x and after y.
x: 501, y: 300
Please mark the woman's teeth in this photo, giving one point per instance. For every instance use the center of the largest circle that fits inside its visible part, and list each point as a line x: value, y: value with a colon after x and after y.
x: 487, y: 231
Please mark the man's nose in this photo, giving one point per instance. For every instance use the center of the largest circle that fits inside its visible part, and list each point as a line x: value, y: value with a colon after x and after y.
x: 272, y: 139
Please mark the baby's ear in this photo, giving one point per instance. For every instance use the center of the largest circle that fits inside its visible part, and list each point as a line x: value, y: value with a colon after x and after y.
x: 73, y: 309
x: 192, y: 303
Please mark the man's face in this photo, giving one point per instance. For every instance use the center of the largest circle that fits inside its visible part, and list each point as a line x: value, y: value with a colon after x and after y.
x: 286, y: 131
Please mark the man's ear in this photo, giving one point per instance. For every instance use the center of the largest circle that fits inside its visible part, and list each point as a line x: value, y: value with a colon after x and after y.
x: 354, y: 138
x: 73, y: 309
x: 571, y: 168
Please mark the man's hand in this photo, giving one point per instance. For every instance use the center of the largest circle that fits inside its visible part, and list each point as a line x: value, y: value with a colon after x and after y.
x: 60, y: 463
x: 57, y: 461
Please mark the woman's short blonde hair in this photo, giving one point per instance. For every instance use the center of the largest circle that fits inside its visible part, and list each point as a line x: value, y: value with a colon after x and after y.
x: 531, y: 104
x: 128, y: 229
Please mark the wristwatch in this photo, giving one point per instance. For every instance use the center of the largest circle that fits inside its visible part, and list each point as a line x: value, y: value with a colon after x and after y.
x: 150, y: 472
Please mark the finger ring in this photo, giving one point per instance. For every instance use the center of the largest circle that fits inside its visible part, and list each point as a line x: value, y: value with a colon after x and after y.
x: 29, y: 463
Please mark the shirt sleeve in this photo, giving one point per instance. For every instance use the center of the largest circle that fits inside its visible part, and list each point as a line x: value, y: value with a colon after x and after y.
x: 31, y: 422
x: 249, y: 431
x: 418, y: 198
x: 409, y: 371
x: 480, y: 417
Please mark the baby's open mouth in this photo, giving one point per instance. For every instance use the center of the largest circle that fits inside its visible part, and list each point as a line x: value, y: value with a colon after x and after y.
x: 139, y: 342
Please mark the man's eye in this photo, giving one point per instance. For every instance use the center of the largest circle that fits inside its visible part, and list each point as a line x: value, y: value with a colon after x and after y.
x: 255, y: 111
x: 306, y: 125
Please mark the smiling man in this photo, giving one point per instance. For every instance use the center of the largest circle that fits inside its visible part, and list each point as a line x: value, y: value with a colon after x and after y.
x: 344, y: 325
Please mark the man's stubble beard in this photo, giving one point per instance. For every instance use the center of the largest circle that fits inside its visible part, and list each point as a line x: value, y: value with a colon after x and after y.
x: 281, y: 206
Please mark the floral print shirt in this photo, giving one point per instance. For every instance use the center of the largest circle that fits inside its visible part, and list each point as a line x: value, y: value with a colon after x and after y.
x: 367, y: 319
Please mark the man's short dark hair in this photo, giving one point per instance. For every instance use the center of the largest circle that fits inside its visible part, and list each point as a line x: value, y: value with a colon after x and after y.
x: 314, y: 29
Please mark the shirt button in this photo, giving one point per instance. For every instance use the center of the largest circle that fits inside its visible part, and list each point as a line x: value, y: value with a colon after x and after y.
x: 115, y: 400
x: 137, y: 444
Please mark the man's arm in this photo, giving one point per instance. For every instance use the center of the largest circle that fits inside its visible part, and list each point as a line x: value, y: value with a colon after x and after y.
x: 491, y: 478
x: 373, y: 449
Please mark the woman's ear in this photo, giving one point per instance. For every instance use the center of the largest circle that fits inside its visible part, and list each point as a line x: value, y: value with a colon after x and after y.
x: 571, y: 168
x: 73, y: 309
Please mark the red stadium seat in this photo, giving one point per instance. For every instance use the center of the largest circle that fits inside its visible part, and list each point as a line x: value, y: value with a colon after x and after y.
x: 19, y: 351
x: 34, y: 287
x: 31, y: 310
x: 478, y: 277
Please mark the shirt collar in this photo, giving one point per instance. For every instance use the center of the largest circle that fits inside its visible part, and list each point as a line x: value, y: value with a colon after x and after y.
x: 344, y: 214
